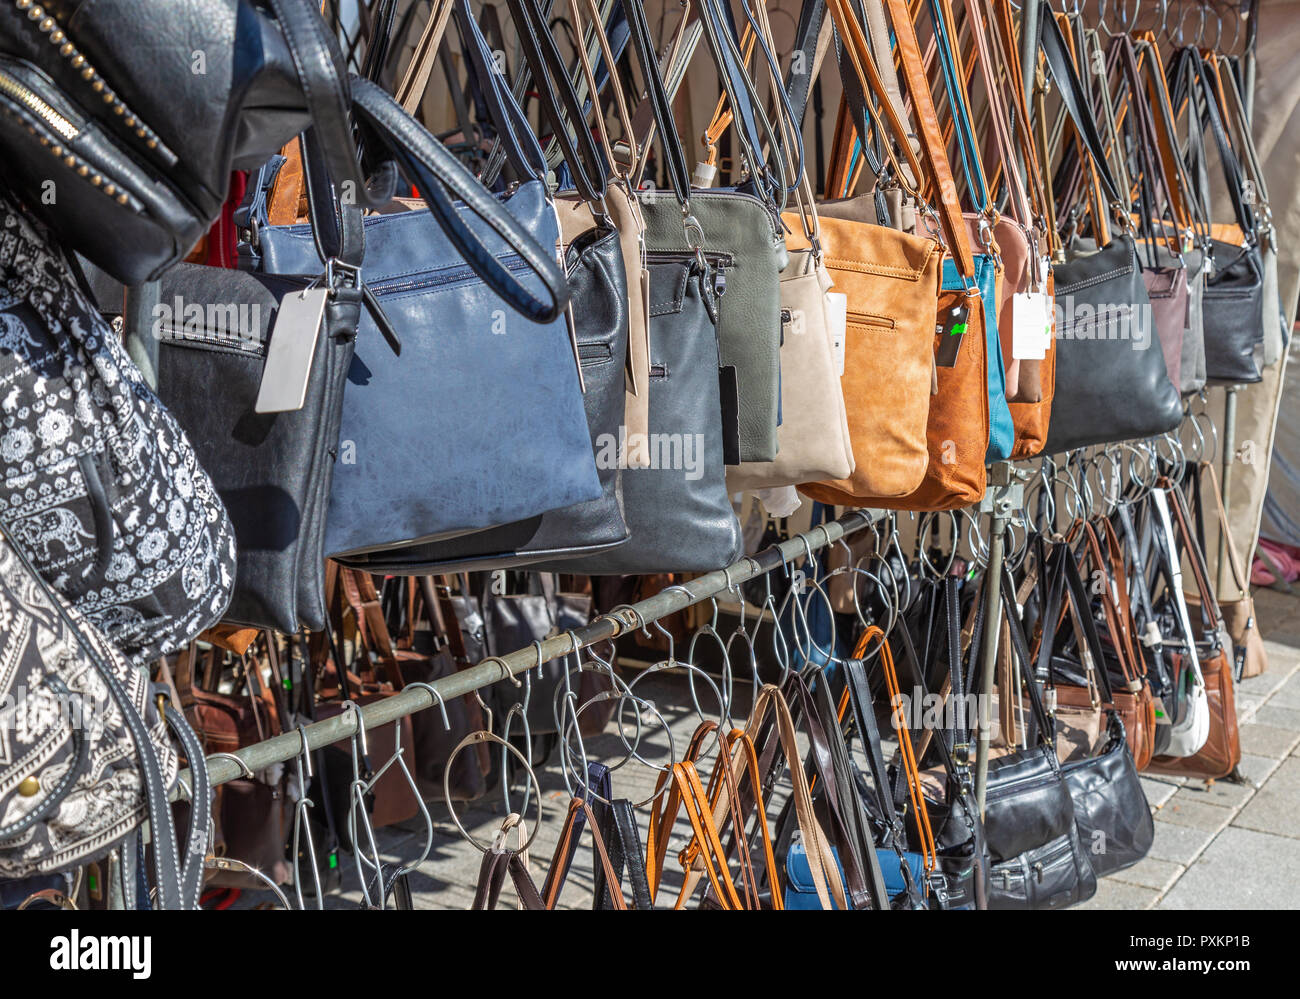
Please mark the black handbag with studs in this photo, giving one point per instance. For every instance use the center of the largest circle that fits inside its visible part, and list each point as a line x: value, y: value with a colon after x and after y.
x: 126, y: 150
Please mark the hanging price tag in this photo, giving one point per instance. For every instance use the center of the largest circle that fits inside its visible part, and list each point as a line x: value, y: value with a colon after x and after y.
x: 293, y: 345
x: 1030, y: 326
x: 837, y: 322
x: 951, y: 330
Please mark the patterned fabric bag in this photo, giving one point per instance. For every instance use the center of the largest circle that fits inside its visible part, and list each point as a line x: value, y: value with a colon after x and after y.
x: 98, y: 485
x: 84, y: 751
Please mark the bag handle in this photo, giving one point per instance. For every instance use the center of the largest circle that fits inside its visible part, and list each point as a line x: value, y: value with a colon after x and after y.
x: 441, y: 177
x: 321, y: 73
x: 559, y: 101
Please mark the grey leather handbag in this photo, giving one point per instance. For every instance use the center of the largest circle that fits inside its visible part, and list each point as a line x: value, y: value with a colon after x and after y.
x: 741, y: 235
x: 678, y: 509
x: 1111, y: 380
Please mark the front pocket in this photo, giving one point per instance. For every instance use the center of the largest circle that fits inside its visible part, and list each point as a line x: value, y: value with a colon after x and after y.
x: 870, y: 321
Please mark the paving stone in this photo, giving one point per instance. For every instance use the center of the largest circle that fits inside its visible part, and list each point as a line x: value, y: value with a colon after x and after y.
x: 1115, y: 894
x: 1217, y: 792
x: 1197, y: 814
x: 1159, y: 790
x: 1267, y: 740
x: 1273, y: 807
x: 1150, y: 872
x: 1177, y: 842
x: 1279, y: 717
x: 1241, y: 869
x: 1256, y: 768
x: 1288, y: 695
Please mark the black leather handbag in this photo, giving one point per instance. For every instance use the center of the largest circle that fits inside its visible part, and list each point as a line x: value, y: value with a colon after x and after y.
x: 1111, y: 380
x: 958, y: 830
x: 598, y: 296
x: 1234, y: 289
x: 140, y: 139
x: 1029, y: 824
x: 1110, y: 807
x: 272, y: 470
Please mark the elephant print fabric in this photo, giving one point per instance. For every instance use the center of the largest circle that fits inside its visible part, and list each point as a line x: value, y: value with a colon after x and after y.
x: 98, y: 484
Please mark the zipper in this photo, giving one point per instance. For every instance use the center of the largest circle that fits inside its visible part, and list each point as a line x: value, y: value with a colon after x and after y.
x: 28, y: 98
x: 594, y: 353
x: 1024, y: 784
x: 719, y: 260
x: 440, y: 277
x: 659, y: 371
x: 867, y: 319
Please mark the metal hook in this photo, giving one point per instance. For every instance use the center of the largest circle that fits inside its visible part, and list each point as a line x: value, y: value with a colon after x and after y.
x: 436, y: 697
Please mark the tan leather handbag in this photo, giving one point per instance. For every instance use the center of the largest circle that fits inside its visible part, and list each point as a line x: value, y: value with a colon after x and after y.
x: 892, y: 280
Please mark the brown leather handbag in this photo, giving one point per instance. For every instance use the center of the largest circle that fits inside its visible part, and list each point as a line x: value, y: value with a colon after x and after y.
x: 250, y: 816
x: 892, y: 280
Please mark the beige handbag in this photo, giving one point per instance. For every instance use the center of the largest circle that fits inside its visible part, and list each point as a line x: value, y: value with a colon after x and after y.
x: 813, y: 437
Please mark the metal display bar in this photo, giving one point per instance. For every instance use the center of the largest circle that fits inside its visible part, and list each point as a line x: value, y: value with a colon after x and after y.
x: 284, y: 747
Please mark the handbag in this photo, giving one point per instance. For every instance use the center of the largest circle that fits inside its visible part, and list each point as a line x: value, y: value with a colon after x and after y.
x: 813, y: 435
x: 956, y: 827
x: 738, y: 230
x: 676, y: 504
x: 271, y: 470
x: 74, y: 791
x: 814, y: 432
x: 1104, y: 330
x: 1110, y: 808
x: 1192, y: 228
x: 141, y: 139
x: 541, y: 437
x: 102, y: 491
x: 1234, y: 307
x: 892, y: 281
x: 1219, y: 750
x: 1038, y: 860
x: 598, y: 295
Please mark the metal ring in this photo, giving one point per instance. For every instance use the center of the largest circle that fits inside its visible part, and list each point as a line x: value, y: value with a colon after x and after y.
x: 473, y: 739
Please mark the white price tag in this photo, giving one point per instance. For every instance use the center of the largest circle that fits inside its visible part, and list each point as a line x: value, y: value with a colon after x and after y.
x: 837, y: 323
x: 1030, y: 329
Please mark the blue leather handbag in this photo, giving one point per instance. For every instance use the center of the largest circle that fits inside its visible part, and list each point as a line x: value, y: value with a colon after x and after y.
x: 480, y: 421
x: 800, y: 892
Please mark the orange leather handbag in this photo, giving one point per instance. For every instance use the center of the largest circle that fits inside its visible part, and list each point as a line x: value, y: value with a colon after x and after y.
x: 918, y: 420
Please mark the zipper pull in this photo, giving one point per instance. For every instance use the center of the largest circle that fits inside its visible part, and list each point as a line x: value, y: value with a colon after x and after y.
x: 1038, y: 871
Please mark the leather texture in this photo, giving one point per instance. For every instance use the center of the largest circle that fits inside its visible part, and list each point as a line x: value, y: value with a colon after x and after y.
x: 164, y: 148
x: 463, y: 357
x: 892, y: 283
x: 600, y: 327
x: 1221, y: 751
x: 1111, y: 381
x: 271, y: 470
x: 1233, y: 309
x: 747, y: 233
x: 813, y: 436
x: 678, y: 511
x: 575, y: 219
x: 1110, y: 808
